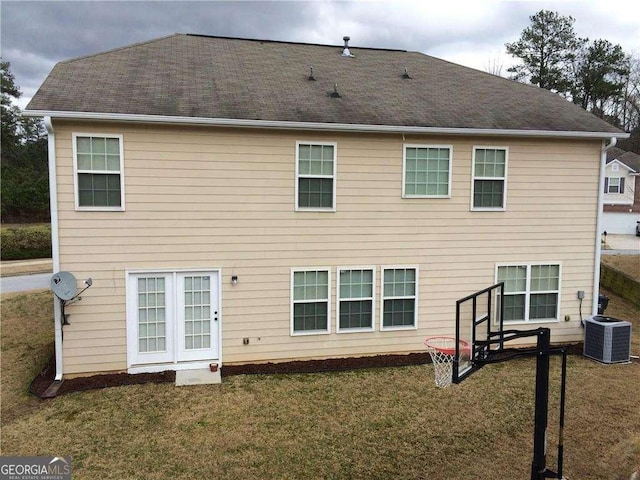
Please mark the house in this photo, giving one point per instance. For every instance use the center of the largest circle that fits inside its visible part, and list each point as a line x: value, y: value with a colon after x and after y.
x: 244, y: 201
x: 621, y: 192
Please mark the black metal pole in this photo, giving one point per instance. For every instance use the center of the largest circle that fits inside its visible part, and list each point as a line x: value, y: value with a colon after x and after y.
x: 563, y: 395
x: 539, y: 464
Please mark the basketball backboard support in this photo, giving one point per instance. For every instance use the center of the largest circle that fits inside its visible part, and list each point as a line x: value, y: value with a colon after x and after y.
x: 479, y: 323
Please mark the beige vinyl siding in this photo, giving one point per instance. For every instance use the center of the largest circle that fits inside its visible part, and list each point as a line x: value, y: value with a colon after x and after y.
x: 201, y: 197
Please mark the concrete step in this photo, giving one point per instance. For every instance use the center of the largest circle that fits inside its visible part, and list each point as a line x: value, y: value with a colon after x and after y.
x: 201, y: 376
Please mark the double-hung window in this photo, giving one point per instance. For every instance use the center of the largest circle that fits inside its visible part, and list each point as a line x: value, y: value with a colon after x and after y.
x: 316, y: 176
x: 531, y: 291
x: 399, y: 297
x: 99, y: 181
x: 614, y: 185
x: 310, y: 312
x: 489, y: 187
x: 426, y: 171
x: 356, y: 287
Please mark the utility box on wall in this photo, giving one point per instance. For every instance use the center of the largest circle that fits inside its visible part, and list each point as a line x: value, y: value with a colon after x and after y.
x: 607, y: 339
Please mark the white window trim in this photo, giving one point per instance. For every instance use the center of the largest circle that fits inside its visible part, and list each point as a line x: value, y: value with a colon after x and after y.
x: 504, y: 179
x: 133, y: 364
x: 404, y: 169
x: 76, y: 171
x: 333, y: 176
x: 528, y: 292
x: 292, y: 302
x: 372, y: 298
x: 383, y: 298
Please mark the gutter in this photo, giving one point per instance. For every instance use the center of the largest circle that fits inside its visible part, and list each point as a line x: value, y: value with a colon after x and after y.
x: 315, y: 126
x: 598, y: 255
x: 55, y: 240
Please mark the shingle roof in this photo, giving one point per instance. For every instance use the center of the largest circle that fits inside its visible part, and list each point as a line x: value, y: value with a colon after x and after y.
x: 630, y: 159
x: 217, y: 77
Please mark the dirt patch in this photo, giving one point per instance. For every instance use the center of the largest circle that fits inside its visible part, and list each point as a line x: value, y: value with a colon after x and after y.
x: 328, y: 365
x: 44, y: 385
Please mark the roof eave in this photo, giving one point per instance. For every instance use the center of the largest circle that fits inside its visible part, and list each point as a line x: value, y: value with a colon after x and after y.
x: 290, y: 125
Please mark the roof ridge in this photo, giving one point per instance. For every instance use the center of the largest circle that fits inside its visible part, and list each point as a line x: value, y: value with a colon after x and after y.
x: 125, y: 47
x: 292, y: 43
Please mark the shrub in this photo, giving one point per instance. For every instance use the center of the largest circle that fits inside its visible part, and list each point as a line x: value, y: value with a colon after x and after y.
x: 25, y: 242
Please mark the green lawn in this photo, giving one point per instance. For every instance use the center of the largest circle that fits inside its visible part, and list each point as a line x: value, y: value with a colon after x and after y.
x: 388, y: 423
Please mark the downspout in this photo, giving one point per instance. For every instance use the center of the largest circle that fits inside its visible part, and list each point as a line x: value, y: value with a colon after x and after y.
x: 596, y: 274
x: 55, y: 241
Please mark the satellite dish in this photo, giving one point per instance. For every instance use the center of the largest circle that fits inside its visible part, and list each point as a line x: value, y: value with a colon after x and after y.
x: 64, y: 285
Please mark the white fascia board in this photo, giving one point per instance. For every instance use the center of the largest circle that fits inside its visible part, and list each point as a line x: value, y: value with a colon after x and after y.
x: 287, y: 125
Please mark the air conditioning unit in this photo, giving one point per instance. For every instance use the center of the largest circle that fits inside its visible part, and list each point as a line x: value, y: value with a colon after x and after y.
x: 607, y: 339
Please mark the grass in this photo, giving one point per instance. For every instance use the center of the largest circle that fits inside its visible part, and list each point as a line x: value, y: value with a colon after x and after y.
x: 26, y: 267
x: 368, y: 424
x: 629, y: 264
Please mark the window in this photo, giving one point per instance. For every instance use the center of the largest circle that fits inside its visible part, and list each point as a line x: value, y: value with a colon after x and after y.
x: 489, y: 190
x: 613, y: 185
x: 98, y: 172
x: 531, y: 291
x: 355, y: 299
x: 316, y: 176
x: 310, y: 298
x: 427, y: 171
x: 399, y: 298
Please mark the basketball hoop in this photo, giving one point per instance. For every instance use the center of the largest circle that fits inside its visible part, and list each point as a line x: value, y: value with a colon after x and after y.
x: 443, y: 350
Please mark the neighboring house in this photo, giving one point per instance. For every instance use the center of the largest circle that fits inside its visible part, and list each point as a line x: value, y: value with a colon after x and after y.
x: 245, y: 201
x: 621, y: 192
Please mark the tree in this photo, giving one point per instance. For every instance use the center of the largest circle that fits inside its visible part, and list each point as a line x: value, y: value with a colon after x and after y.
x: 494, y: 66
x: 10, y: 114
x: 24, y: 179
x: 547, y: 49
x: 601, y: 73
x: 629, y: 112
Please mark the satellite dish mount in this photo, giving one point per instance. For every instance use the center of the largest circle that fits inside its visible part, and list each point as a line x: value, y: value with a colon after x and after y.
x: 65, y: 287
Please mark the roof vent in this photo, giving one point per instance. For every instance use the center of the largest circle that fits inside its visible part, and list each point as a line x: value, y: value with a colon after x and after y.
x: 335, y: 93
x: 311, y: 77
x: 406, y: 73
x: 346, y: 52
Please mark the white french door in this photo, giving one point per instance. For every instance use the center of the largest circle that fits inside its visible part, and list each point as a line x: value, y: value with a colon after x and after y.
x: 173, y: 317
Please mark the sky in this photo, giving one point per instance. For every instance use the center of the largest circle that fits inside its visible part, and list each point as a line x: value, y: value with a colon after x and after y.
x: 35, y: 35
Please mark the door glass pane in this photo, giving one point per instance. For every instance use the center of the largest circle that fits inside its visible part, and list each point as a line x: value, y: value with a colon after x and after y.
x: 151, y: 315
x: 197, y: 314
